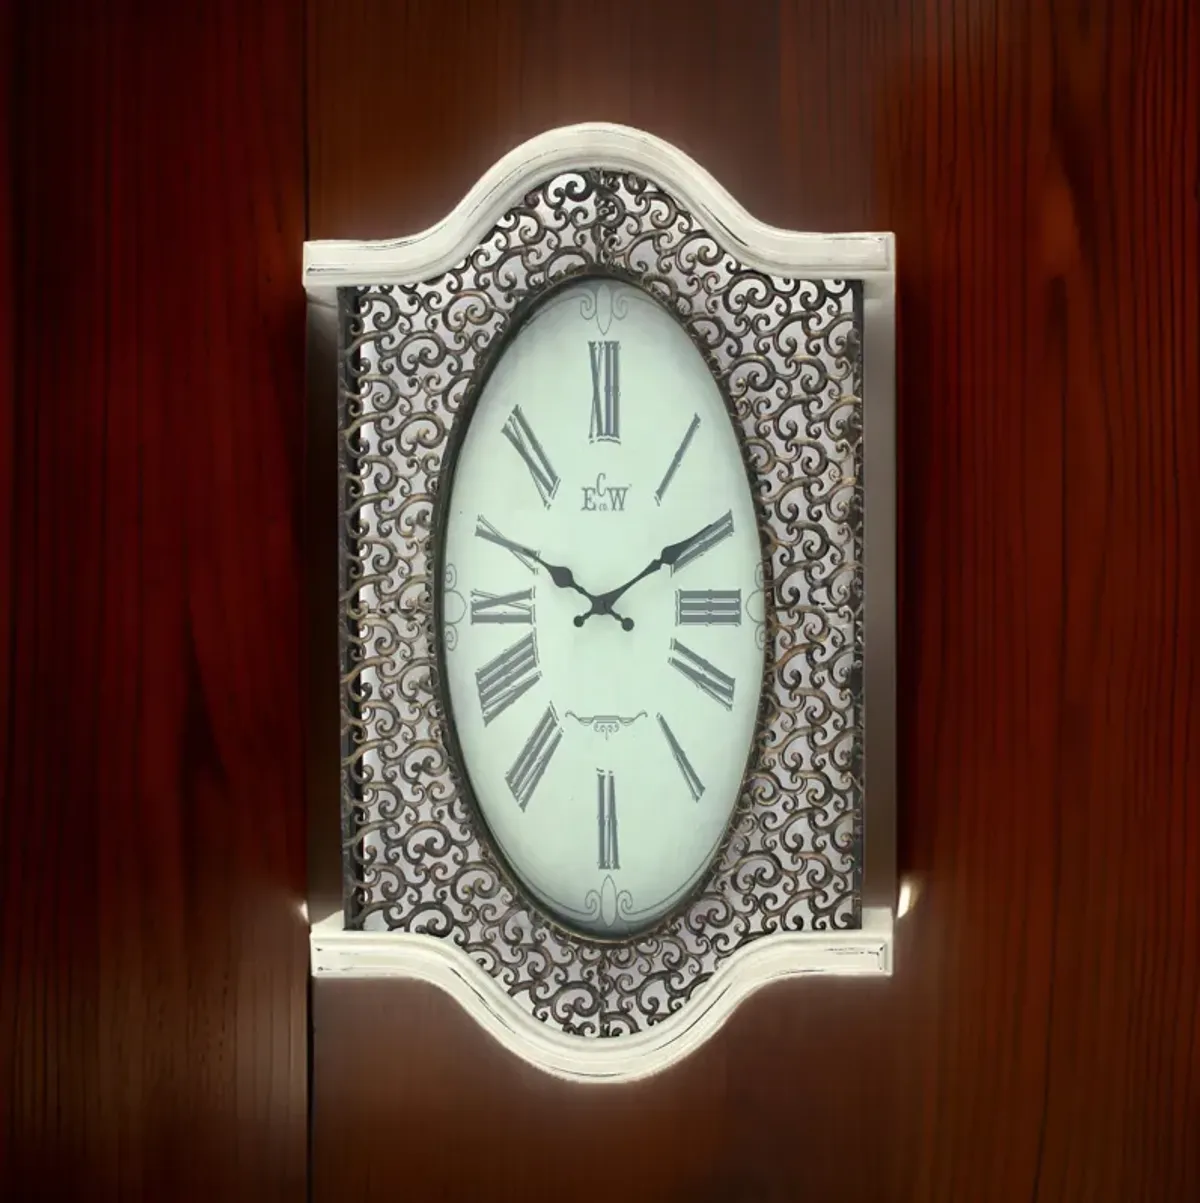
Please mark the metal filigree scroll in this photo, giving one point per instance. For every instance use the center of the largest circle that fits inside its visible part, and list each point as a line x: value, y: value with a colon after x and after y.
x: 787, y: 352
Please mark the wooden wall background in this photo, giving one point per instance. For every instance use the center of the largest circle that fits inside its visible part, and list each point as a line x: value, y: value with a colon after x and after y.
x: 1040, y: 163
x: 153, y: 1003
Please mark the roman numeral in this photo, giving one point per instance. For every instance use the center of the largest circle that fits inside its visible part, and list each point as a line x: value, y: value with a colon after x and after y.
x: 485, y: 530
x: 676, y: 459
x: 606, y: 392
x: 502, y: 680
x: 690, y: 777
x: 606, y: 821
x: 502, y: 607
x: 530, y: 765
x: 708, y: 607
x: 701, y: 673
x: 519, y: 433
x: 705, y: 540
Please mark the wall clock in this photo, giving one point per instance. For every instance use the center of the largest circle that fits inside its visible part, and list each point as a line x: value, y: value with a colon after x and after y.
x: 615, y: 607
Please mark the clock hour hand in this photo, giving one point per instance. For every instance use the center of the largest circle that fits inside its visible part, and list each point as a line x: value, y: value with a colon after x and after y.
x: 600, y: 605
x: 564, y: 578
x: 561, y: 576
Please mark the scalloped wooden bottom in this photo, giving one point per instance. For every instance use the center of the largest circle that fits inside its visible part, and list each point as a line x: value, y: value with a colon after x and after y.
x: 866, y: 952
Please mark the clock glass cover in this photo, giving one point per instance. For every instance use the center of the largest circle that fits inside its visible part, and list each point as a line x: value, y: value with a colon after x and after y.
x: 601, y: 608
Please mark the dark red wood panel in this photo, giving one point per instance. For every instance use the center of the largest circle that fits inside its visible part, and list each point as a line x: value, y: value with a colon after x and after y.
x: 153, y: 956
x: 7, y: 373
x: 1040, y: 164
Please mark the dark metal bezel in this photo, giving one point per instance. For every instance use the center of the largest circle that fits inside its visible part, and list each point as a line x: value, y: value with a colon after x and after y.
x: 519, y: 317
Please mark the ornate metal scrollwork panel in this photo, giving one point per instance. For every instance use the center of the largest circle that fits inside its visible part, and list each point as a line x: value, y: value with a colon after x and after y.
x: 787, y: 352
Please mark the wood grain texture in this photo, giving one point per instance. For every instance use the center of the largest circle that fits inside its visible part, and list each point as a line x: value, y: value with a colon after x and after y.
x: 153, y: 955
x: 1039, y: 163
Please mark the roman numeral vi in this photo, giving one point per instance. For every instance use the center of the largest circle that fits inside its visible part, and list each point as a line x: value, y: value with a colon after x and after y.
x: 606, y: 820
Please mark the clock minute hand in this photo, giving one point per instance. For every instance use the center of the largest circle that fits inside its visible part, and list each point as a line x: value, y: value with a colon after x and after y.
x: 673, y: 553
x: 686, y: 550
x: 669, y: 557
x: 602, y: 604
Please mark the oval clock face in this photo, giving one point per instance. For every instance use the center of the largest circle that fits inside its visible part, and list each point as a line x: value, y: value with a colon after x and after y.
x: 602, y: 658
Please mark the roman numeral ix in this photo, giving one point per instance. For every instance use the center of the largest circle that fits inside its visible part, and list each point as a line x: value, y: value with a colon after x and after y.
x: 606, y: 392
x: 702, y: 674
x: 606, y: 820
x: 519, y: 433
x: 502, y: 607
x: 503, y: 680
x: 690, y: 777
x: 708, y: 607
x: 530, y: 765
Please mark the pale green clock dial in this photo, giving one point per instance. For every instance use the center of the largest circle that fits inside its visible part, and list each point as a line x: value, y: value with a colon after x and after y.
x: 602, y: 610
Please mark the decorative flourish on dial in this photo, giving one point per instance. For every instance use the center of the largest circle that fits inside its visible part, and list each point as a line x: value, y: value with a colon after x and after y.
x: 609, y: 903
x: 605, y: 724
x: 603, y: 305
x: 454, y: 606
x: 756, y: 607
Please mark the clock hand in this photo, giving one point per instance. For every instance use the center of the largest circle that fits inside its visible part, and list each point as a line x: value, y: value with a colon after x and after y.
x: 670, y: 556
x: 563, y: 577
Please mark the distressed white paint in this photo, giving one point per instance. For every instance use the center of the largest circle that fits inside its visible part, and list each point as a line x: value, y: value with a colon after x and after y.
x: 350, y: 954
x: 417, y: 257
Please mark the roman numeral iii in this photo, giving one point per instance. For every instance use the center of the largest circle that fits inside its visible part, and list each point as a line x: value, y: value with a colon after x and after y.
x: 606, y: 392
x: 520, y: 434
x: 530, y: 765
x: 502, y: 680
x: 502, y: 607
x: 606, y: 820
x: 702, y: 674
x: 690, y: 777
x: 708, y: 607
